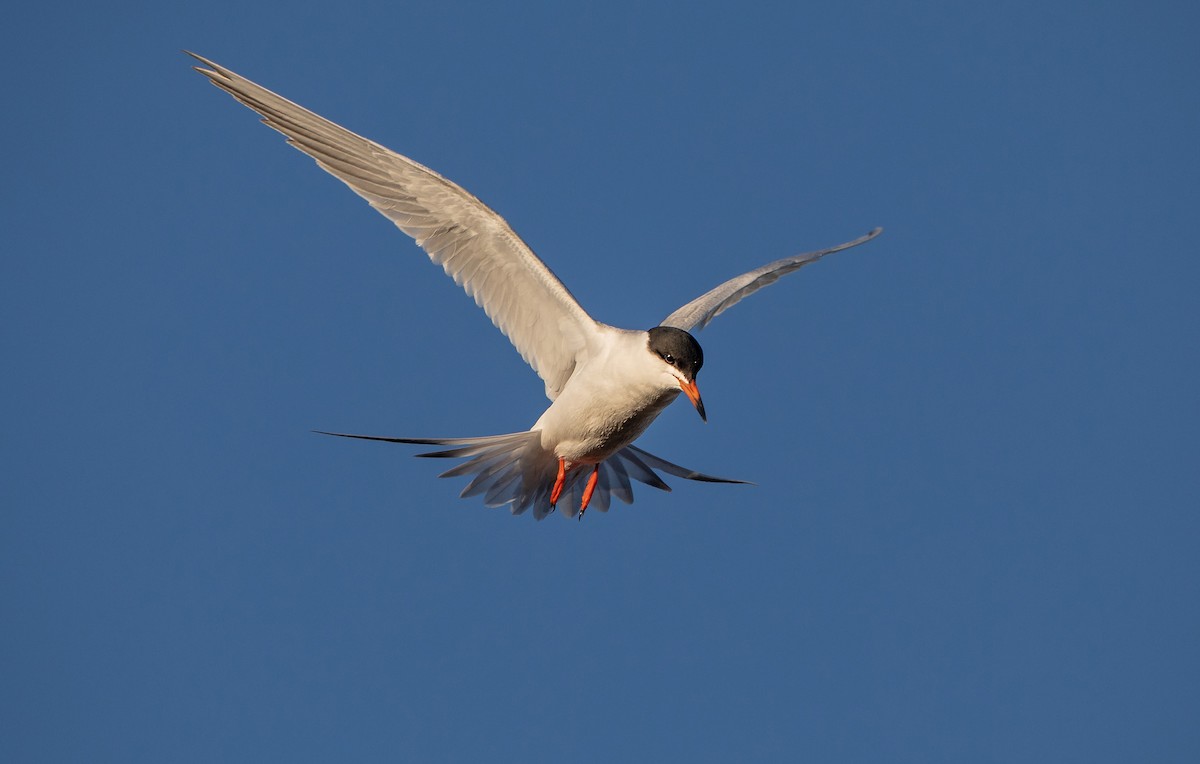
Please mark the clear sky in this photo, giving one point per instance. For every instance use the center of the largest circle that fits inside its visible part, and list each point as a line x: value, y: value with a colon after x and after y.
x: 974, y: 535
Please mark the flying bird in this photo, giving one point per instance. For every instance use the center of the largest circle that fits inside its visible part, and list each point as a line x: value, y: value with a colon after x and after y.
x: 606, y: 385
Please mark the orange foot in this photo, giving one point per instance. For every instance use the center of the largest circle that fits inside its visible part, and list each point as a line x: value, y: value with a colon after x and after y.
x: 558, y: 482
x: 589, y: 489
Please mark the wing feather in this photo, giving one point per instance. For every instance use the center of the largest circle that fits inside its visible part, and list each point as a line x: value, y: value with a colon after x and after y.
x: 473, y: 244
x: 700, y: 311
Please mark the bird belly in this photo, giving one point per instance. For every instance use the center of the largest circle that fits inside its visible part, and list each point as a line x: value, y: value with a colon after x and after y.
x: 588, y: 426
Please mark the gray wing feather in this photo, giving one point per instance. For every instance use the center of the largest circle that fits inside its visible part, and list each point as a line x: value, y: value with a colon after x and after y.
x: 473, y: 244
x: 697, y: 313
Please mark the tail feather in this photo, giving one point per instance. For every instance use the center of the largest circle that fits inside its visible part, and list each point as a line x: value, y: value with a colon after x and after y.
x: 659, y: 463
x: 513, y: 470
x: 470, y: 466
x: 639, y: 471
x: 487, y: 476
x: 500, y: 492
x: 622, y: 489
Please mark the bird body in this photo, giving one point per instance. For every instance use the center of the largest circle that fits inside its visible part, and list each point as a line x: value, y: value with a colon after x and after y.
x: 606, y: 385
x: 610, y: 400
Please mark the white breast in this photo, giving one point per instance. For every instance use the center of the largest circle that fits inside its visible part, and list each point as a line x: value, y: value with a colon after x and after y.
x: 609, y: 401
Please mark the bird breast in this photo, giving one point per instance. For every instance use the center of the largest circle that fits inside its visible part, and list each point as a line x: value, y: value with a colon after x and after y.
x: 600, y: 425
x: 606, y: 405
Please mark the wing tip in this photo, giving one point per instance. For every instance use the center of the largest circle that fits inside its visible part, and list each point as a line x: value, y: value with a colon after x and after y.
x: 215, y: 67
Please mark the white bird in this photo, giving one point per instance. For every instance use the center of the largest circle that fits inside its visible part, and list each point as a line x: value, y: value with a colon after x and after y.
x: 606, y: 385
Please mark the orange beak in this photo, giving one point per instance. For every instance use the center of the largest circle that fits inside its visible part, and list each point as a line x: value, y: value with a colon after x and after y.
x: 693, y: 394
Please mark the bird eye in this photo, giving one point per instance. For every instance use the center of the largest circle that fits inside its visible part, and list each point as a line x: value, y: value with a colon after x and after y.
x: 669, y: 359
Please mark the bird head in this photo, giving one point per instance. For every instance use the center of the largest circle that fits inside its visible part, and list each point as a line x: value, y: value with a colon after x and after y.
x: 681, y: 358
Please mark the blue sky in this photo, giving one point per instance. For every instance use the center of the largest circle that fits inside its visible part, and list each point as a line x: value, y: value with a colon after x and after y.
x: 974, y: 532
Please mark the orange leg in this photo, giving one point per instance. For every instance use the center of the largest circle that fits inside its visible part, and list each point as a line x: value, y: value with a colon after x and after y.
x: 589, y: 489
x: 558, y: 482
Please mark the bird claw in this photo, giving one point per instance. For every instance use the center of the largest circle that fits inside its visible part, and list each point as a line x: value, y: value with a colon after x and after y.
x: 589, y: 490
x: 558, y: 482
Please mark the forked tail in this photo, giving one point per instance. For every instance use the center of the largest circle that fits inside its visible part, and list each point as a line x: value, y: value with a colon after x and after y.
x: 514, y: 470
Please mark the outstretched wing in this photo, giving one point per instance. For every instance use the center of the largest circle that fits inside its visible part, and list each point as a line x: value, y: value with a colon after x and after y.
x: 697, y: 313
x: 473, y: 244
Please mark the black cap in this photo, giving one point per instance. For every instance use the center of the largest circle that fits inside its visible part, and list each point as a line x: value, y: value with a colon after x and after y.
x: 678, y: 348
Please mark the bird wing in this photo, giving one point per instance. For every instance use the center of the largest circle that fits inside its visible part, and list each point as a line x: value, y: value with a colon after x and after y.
x: 697, y: 313
x: 473, y: 244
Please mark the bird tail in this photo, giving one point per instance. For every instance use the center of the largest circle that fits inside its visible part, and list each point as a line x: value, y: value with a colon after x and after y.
x: 515, y: 470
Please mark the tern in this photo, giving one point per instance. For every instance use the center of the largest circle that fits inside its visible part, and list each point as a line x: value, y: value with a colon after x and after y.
x: 605, y: 384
